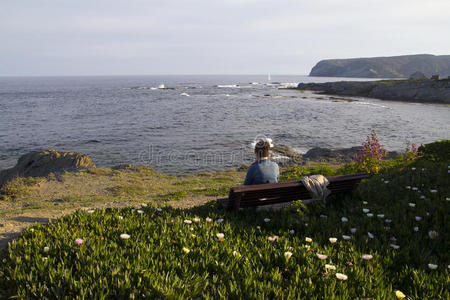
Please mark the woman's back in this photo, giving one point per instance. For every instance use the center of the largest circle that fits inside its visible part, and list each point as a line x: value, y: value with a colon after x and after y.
x: 262, y: 171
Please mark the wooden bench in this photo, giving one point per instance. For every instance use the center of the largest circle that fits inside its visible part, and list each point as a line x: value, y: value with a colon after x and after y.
x: 272, y: 193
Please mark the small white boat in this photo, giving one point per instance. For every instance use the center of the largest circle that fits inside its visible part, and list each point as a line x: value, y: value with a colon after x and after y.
x: 185, y: 94
x: 161, y: 86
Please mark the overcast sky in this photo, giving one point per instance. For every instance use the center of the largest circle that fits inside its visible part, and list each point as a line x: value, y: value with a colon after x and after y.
x: 121, y: 37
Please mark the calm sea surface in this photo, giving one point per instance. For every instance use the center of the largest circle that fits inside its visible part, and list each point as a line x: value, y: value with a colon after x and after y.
x: 128, y: 120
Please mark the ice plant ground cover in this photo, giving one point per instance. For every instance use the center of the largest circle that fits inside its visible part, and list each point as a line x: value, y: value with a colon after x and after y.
x: 166, y: 257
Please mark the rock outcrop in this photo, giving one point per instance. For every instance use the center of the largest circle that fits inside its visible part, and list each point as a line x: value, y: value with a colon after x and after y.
x: 41, y: 164
x: 384, y: 67
x: 431, y: 91
x: 417, y: 75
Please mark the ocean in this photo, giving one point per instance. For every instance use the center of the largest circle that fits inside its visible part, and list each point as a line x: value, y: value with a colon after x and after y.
x: 196, y: 123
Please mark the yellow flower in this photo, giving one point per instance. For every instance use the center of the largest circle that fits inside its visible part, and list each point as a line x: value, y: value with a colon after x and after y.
x: 308, y: 240
x: 399, y: 294
x: 186, y: 250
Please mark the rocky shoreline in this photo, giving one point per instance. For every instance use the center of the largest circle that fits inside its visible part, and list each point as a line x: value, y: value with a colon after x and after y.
x: 409, y: 90
x: 48, y: 162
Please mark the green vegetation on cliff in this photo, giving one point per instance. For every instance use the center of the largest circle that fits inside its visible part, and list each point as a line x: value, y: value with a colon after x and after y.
x: 387, y: 239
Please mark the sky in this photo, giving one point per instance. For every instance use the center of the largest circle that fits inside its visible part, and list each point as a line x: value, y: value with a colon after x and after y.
x: 138, y: 37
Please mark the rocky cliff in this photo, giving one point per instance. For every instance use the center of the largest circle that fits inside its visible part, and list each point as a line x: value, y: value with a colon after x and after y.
x: 432, y: 91
x: 384, y: 67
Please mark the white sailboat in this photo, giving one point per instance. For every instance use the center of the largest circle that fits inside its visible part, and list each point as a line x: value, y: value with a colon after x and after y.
x: 268, y: 78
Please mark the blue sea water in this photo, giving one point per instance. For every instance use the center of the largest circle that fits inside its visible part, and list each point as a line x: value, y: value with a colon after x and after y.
x: 128, y: 120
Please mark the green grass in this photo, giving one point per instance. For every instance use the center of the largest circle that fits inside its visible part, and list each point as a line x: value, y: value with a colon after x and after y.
x: 152, y: 263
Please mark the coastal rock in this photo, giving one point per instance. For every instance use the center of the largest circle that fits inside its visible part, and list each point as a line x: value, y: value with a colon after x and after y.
x: 417, y: 75
x: 384, y: 67
x: 416, y: 90
x: 41, y: 164
x: 340, y: 155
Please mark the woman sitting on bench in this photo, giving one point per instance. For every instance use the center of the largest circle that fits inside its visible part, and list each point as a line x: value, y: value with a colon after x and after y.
x: 263, y: 170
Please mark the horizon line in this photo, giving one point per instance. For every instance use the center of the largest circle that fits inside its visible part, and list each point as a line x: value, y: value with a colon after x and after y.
x: 168, y: 74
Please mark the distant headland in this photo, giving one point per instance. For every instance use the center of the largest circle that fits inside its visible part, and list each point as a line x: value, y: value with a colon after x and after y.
x: 410, y: 90
x: 384, y: 67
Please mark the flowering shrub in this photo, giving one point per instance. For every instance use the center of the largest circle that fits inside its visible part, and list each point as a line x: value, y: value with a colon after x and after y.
x: 370, y: 156
x: 412, y: 152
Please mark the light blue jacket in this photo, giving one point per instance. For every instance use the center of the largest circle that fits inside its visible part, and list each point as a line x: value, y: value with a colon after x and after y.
x: 263, y: 171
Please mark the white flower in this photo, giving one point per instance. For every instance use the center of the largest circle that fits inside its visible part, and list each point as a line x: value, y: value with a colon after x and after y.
x: 433, y: 191
x: 330, y: 267
x: 370, y: 215
x: 448, y: 199
x: 308, y: 240
x: 124, y: 236
x: 187, y: 222
x: 344, y: 219
x: 428, y: 214
x: 415, y: 188
x: 287, y: 254
x: 140, y: 211
x: 120, y: 217
x: 196, y: 220
x: 346, y: 237
x: 220, y: 236
x: 236, y: 254
x: 432, y: 234
x: 408, y: 187
x: 380, y: 216
x: 292, y: 231
x: 323, y: 216
x: 370, y: 235
x: 422, y: 197
x: 332, y: 240
x: 416, y: 228
x: 353, y: 230
x: 341, y: 276
x: 266, y: 220
x: 258, y: 227
x: 412, y: 204
x: 366, y: 210
x: 219, y: 220
x: 144, y: 204
x: 46, y: 249
x: 387, y: 227
x: 90, y: 211
x: 432, y: 266
x: 413, y: 168
x: 208, y: 219
x: 418, y: 218
x: 388, y: 220
x: 367, y: 257
x: 395, y: 246
x: 365, y: 202
x: 186, y: 250
x: 386, y: 181
x: 321, y: 256
x: 159, y: 209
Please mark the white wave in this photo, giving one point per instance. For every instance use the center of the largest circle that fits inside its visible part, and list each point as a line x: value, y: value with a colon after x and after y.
x: 228, y: 86
x: 185, y: 94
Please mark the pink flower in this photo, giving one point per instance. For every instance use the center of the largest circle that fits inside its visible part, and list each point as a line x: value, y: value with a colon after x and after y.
x: 79, y: 241
x: 273, y: 238
x: 321, y: 256
x: 367, y: 257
